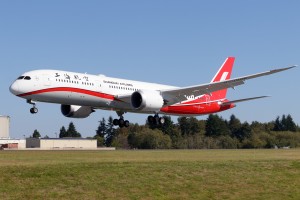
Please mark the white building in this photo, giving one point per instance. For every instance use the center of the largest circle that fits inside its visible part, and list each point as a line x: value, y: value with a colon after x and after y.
x: 12, y: 144
x: 61, y: 143
x: 4, y: 127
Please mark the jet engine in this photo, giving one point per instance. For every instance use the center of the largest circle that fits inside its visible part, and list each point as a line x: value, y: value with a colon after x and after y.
x: 146, y: 100
x: 76, y: 111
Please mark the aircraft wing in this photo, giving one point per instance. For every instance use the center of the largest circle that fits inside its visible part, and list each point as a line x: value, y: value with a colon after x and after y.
x: 177, y: 95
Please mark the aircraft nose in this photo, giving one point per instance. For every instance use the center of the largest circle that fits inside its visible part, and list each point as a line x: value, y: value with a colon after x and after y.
x: 14, y: 88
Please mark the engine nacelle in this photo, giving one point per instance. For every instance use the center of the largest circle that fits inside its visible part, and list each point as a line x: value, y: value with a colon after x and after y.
x: 147, y: 100
x: 76, y: 111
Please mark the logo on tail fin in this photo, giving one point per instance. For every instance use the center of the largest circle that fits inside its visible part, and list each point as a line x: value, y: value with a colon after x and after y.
x: 224, y: 75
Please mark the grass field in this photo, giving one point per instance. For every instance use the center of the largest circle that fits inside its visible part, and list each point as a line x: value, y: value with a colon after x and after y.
x: 170, y: 174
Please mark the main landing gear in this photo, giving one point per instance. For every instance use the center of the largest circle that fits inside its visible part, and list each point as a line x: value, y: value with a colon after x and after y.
x: 34, y: 109
x: 121, y: 122
x: 152, y: 119
x: 156, y: 120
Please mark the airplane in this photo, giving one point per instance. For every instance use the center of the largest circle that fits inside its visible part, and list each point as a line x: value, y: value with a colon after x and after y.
x: 80, y: 94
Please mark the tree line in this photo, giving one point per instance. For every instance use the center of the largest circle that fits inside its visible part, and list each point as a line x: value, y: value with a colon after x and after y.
x: 71, y: 132
x: 191, y: 133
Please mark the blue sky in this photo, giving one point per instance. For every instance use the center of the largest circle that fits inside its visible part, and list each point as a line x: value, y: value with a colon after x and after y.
x: 172, y: 42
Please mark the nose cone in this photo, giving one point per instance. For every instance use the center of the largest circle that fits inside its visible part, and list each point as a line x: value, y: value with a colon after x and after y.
x: 14, y: 88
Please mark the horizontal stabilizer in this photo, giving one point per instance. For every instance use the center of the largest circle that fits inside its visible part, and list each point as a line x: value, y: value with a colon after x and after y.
x: 241, y: 100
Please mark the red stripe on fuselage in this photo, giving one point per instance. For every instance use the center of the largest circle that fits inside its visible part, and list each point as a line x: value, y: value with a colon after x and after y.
x: 69, y: 89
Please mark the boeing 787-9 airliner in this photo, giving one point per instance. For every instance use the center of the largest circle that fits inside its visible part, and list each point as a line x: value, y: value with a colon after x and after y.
x: 80, y: 94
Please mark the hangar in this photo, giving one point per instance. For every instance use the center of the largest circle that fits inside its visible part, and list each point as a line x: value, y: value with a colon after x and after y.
x: 61, y: 143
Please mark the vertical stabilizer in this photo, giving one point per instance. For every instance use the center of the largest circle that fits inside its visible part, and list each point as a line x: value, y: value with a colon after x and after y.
x: 223, y: 74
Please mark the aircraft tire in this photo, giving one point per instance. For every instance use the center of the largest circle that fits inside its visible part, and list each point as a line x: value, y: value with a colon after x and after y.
x: 115, y: 122
x: 161, y: 120
x: 33, y: 110
x: 126, y: 123
x: 121, y: 123
x: 150, y: 119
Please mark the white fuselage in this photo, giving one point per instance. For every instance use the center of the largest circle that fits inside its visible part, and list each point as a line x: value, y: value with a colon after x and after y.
x: 71, y: 88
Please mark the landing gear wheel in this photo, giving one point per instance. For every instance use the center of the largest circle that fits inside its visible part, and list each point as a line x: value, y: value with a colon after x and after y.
x: 126, y: 123
x: 115, y: 122
x: 150, y: 119
x: 121, y: 123
x: 161, y: 120
x: 33, y: 110
x: 155, y: 120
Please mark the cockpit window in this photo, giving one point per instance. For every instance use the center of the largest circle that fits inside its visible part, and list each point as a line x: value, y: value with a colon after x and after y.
x: 24, y: 77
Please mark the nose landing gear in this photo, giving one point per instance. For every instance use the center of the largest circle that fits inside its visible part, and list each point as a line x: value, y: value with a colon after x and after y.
x: 34, y: 109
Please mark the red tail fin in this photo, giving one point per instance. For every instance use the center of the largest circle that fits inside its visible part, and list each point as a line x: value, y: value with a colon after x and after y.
x: 223, y: 74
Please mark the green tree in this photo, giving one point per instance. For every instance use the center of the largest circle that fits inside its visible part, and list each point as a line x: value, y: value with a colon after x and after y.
x: 227, y: 142
x: 155, y: 139
x: 285, y: 124
x: 36, y: 134
x: 101, y: 131
x: 110, y: 132
x: 277, y: 125
x: 63, y: 132
x: 184, y: 125
x: 245, y: 131
x: 71, y: 132
x: 189, y: 125
x: 149, y: 139
x: 216, y: 126
x: 178, y: 141
x: 194, y: 126
x: 290, y: 124
x: 121, y: 137
x: 235, y: 126
x: 100, y: 140
x: 286, y: 139
x: 168, y: 127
